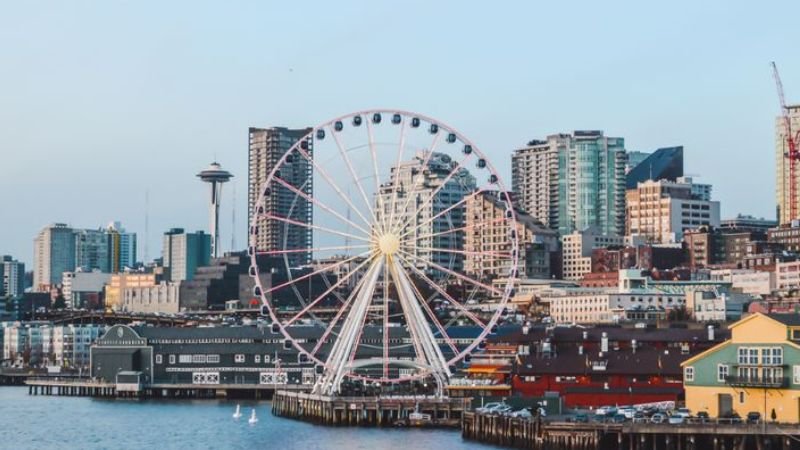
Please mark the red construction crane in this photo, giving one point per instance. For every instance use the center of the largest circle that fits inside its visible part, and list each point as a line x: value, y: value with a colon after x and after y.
x: 791, y: 143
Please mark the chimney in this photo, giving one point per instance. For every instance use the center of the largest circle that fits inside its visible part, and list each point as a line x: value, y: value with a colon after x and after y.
x: 711, y: 332
x: 604, y: 343
x: 633, y: 345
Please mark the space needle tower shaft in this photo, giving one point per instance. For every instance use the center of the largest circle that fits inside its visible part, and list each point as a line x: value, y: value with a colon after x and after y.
x: 215, y: 176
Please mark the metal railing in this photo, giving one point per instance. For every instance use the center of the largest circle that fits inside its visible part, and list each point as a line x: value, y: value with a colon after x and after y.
x: 757, y: 382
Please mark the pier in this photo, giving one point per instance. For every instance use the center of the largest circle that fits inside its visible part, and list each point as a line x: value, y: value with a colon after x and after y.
x: 368, y: 411
x: 708, y: 435
x: 98, y: 388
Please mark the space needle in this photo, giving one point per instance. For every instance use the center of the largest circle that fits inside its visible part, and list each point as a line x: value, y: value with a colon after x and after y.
x: 215, y: 176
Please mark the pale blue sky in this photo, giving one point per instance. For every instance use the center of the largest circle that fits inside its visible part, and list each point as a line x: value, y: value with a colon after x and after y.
x: 102, y: 100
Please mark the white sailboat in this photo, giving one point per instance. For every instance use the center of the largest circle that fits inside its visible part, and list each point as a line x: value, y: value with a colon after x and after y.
x: 238, y: 413
x: 253, y: 419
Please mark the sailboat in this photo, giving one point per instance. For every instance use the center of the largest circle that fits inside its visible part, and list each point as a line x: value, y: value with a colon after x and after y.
x: 253, y: 419
x: 238, y: 413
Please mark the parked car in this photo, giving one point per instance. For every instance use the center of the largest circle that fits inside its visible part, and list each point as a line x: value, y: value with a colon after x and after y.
x: 676, y: 419
x: 618, y: 418
x: 580, y: 418
x: 702, y: 416
x: 732, y: 417
x: 502, y: 410
x: 627, y: 411
x: 753, y: 417
x: 605, y: 411
x: 658, y: 417
x: 639, y: 417
x: 489, y: 407
x: 523, y: 413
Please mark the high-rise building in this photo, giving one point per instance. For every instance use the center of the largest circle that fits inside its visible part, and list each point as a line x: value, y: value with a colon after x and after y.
x: 267, y: 147
x: 122, y: 247
x: 663, y: 164
x: 184, y: 252
x: 432, y: 193
x: 661, y: 211
x: 53, y: 254
x: 573, y: 181
x: 92, y: 250
x: 487, y: 239
x: 634, y: 159
x: 782, y: 185
x: 12, y: 277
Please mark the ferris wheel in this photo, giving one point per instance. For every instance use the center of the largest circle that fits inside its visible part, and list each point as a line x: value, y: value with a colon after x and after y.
x: 376, y: 236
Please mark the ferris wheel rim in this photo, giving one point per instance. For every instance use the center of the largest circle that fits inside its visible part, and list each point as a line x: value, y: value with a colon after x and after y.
x: 489, y: 325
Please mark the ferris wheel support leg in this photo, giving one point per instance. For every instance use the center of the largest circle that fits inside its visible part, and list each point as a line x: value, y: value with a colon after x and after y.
x: 419, y: 327
x: 339, y: 357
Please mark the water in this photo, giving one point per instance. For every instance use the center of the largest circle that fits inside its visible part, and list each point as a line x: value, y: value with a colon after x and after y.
x: 42, y: 422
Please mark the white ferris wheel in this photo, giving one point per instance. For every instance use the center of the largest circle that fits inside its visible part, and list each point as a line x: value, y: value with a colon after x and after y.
x: 369, y: 244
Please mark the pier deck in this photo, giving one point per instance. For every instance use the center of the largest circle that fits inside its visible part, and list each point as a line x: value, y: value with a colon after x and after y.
x: 368, y: 411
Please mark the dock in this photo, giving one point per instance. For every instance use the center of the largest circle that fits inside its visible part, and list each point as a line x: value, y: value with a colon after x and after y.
x: 100, y: 388
x: 708, y: 435
x: 384, y: 411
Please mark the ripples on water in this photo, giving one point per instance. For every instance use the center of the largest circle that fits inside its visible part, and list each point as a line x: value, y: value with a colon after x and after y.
x: 41, y: 422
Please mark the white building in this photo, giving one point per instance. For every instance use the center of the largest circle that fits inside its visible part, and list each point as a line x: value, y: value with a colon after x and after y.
x: 603, y: 305
x: 163, y: 298
x: 787, y: 275
x: 577, y: 251
x: 429, y: 198
x: 79, y: 287
x: 748, y: 281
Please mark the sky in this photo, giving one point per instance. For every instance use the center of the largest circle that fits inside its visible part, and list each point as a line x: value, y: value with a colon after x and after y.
x: 102, y: 102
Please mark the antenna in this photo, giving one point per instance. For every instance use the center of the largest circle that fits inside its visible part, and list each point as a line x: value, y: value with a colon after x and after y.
x: 146, y: 225
x: 233, y: 218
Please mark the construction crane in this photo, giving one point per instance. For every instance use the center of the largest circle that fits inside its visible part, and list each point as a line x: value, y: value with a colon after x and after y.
x: 791, y: 144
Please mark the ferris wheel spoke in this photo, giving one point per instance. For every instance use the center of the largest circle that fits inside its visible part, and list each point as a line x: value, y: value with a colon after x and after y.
x: 381, y: 215
x: 396, y: 182
x: 413, y: 191
x: 329, y: 290
x: 465, y: 199
x: 455, y: 274
x: 354, y: 176
x: 464, y: 228
x: 338, y: 316
x: 313, y: 227
x: 432, y: 196
x: 321, y: 205
x: 327, y: 268
x: 333, y: 185
x: 444, y: 293
x: 436, y: 322
x: 386, y: 321
x: 312, y: 250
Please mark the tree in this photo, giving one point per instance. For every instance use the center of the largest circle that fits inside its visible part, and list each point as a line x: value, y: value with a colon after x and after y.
x: 59, y: 302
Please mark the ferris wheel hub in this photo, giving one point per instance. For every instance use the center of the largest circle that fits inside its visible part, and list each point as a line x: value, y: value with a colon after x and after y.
x: 389, y: 244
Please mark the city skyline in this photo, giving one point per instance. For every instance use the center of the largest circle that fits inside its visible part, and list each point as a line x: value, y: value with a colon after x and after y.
x: 195, y: 70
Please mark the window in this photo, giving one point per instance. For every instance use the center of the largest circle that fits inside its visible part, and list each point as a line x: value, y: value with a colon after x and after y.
x: 185, y: 359
x: 688, y: 373
x: 159, y: 359
x: 199, y: 359
x: 212, y: 359
x: 239, y: 358
x: 266, y: 359
x: 796, y: 374
x: 741, y: 397
x: 722, y: 372
x: 742, y: 355
x: 172, y: 359
x: 773, y: 374
x: 752, y: 356
x: 257, y: 359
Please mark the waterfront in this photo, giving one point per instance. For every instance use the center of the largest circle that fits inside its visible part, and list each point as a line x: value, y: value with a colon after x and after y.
x: 45, y: 422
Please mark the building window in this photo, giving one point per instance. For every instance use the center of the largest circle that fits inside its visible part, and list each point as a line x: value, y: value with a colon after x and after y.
x: 688, y: 373
x: 741, y: 397
x: 266, y: 359
x: 212, y: 359
x: 796, y: 374
x: 722, y: 372
x: 239, y: 358
x: 199, y: 359
x: 185, y: 359
x: 257, y: 359
x: 172, y: 359
x: 159, y: 359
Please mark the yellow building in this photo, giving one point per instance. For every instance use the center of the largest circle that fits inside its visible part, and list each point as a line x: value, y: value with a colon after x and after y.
x: 121, y: 281
x: 756, y: 370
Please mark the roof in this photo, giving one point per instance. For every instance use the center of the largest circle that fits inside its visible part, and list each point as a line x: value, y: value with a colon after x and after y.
x: 644, y: 361
x: 789, y: 319
x: 595, y: 334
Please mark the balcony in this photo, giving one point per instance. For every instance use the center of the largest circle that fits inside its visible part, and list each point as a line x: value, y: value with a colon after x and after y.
x: 757, y: 382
